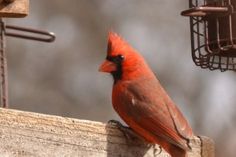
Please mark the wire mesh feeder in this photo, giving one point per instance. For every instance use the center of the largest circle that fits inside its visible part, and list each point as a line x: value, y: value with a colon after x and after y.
x: 213, y: 33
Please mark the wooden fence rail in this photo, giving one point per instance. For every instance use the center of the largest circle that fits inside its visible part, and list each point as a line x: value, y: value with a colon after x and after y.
x: 26, y: 134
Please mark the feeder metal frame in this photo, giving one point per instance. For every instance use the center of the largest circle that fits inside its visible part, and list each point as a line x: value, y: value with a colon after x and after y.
x: 18, y: 32
x: 213, y: 51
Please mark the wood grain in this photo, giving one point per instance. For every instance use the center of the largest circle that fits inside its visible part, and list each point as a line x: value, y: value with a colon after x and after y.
x: 18, y: 8
x: 26, y: 134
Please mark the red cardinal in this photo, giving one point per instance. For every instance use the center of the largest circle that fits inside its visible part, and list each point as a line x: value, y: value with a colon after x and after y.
x: 141, y: 101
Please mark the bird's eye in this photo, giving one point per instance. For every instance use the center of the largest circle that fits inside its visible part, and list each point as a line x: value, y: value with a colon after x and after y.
x: 121, y: 57
x: 115, y: 59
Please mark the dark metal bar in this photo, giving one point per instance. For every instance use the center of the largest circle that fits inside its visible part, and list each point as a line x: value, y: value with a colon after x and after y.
x: 218, y: 33
x: 50, y: 37
x: 3, y: 67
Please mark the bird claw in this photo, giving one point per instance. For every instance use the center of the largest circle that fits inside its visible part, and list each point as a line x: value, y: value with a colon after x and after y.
x: 157, y: 151
x: 116, y: 123
x: 127, y: 131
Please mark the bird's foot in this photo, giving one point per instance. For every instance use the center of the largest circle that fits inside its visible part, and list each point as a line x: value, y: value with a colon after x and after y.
x: 157, y: 149
x: 189, y: 144
x: 127, y: 131
x: 117, y: 124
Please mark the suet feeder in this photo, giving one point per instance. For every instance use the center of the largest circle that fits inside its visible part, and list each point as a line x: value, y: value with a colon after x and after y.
x: 213, y: 33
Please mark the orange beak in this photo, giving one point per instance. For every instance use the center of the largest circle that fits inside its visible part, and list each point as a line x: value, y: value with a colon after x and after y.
x: 107, y: 66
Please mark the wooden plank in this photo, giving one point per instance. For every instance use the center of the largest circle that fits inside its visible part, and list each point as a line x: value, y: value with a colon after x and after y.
x: 27, y: 134
x: 17, y: 8
x: 208, y: 149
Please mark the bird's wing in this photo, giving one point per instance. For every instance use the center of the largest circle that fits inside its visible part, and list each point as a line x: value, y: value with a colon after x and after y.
x: 153, y: 110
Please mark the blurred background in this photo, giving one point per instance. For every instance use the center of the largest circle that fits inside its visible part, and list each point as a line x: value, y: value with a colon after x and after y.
x: 62, y: 78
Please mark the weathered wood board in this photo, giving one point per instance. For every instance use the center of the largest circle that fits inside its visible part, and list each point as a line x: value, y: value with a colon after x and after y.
x: 26, y: 134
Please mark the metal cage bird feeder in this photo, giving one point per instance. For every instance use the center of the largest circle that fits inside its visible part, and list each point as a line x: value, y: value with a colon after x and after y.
x: 213, y: 33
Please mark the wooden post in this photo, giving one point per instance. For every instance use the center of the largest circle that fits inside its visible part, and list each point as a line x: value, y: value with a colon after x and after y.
x: 14, y: 8
x: 29, y: 134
